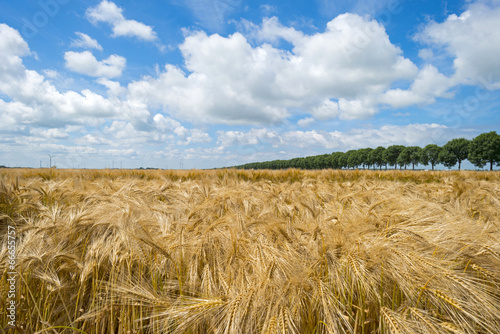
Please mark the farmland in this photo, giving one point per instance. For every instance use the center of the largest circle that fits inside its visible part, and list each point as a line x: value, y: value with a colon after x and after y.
x: 240, y: 251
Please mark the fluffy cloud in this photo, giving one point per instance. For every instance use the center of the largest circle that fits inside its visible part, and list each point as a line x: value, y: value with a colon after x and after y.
x: 85, y: 63
x: 232, y: 82
x: 186, y: 136
x: 427, y: 86
x: 473, y: 40
x: 85, y: 41
x: 32, y: 100
x: 108, y: 12
x: 305, y: 122
x: 12, y: 48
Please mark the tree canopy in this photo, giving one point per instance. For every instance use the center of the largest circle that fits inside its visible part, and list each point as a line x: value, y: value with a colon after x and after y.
x: 484, y: 149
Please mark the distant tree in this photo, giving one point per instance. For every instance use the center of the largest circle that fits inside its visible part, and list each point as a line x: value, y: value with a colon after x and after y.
x: 410, y: 155
x: 484, y: 149
x: 364, y: 157
x: 343, y: 157
x: 352, y: 158
x: 391, y: 154
x: 459, y: 148
x: 430, y: 154
x: 334, y: 160
x: 447, y: 158
x: 376, y: 157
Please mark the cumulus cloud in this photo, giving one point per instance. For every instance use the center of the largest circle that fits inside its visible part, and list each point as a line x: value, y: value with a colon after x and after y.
x: 428, y: 85
x: 52, y: 74
x: 115, y: 90
x: 232, y: 82
x: 327, y: 110
x: 50, y: 133
x: 108, y: 12
x: 85, y: 63
x: 305, y: 122
x: 34, y: 100
x: 12, y: 48
x: 473, y: 41
x: 186, y: 136
x: 85, y: 41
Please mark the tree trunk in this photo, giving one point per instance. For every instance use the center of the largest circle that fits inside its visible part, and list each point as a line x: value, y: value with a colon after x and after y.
x: 459, y: 162
x: 432, y: 166
x: 491, y: 165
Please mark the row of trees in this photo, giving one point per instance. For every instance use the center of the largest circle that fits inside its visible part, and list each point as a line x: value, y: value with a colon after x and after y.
x: 483, y: 149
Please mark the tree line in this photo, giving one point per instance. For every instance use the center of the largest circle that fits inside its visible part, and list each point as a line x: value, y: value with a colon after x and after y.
x: 480, y: 151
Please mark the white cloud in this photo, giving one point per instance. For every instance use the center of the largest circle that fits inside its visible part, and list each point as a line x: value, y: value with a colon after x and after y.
x: 305, y: 122
x: 272, y: 30
x: 232, y: 82
x: 186, y: 136
x: 85, y: 63
x: 428, y: 85
x: 473, y: 40
x: 109, y: 12
x: 34, y: 100
x: 426, y: 54
x: 54, y: 133
x: 327, y: 110
x: 12, y: 48
x: 51, y: 73
x: 85, y: 41
x: 115, y: 90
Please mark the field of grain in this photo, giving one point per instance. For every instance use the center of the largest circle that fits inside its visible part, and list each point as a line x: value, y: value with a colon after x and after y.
x: 231, y: 251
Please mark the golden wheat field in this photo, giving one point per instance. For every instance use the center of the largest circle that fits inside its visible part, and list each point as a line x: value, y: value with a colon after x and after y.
x: 232, y: 251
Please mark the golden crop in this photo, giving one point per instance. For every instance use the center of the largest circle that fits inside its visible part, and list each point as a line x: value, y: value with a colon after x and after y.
x: 231, y: 251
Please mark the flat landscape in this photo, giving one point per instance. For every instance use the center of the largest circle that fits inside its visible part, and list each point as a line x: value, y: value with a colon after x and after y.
x: 241, y: 251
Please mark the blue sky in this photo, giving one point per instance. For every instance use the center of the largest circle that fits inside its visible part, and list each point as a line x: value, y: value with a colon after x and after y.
x: 203, y: 84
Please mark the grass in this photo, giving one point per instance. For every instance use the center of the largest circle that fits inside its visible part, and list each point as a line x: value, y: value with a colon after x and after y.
x: 239, y: 251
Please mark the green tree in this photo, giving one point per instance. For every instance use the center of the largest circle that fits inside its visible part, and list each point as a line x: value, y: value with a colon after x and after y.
x: 391, y: 154
x: 410, y: 155
x: 376, y: 157
x: 352, y: 158
x: 430, y: 154
x: 364, y: 157
x: 334, y: 160
x: 484, y: 149
x: 459, y: 148
x: 447, y: 158
x: 343, y: 158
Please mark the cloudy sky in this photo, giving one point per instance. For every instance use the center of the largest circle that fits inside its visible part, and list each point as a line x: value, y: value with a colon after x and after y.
x: 212, y: 83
